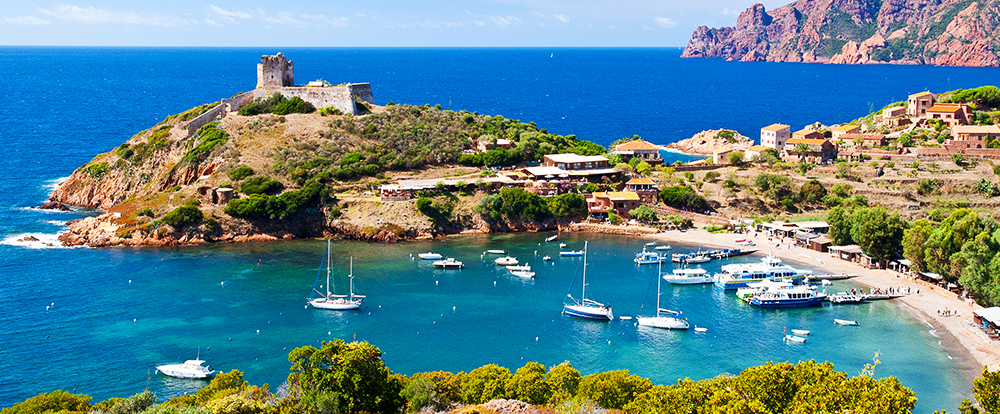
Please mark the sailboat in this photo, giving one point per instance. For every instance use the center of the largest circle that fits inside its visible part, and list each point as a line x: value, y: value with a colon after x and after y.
x: 336, y: 302
x: 659, y: 321
x: 586, y: 308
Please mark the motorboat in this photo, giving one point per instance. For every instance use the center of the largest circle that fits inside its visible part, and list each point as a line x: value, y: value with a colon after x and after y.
x: 331, y: 301
x: 691, y: 276
x: 546, y: 258
x: 700, y: 329
x: 789, y: 297
x: 664, y: 247
x: 735, y: 276
x: 586, y: 308
x: 506, y: 261
x: 665, y: 318
x: 548, y: 239
x: 192, y: 368
x: 496, y: 251
x: 571, y: 253
x: 800, y: 332
x: 516, y: 268
x: 430, y: 256
x: 755, y: 288
x: 562, y: 245
x: 527, y: 274
x: 844, y: 298
x: 794, y: 338
x: 698, y: 258
x: 449, y: 263
x: 647, y: 258
x: 651, y: 244
x: 845, y: 322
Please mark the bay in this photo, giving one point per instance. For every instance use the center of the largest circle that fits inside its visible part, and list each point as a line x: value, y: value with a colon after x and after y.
x: 63, y: 105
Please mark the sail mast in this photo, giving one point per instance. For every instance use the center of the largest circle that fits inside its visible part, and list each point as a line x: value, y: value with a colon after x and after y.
x: 659, y: 278
x: 583, y: 295
x: 351, y: 277
x: 327, y: 269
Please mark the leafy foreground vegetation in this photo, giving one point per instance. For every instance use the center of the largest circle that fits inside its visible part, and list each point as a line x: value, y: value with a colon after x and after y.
x: 352, y: 378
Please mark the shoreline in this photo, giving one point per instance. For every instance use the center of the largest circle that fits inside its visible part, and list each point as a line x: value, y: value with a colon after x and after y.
x: 955, y: 336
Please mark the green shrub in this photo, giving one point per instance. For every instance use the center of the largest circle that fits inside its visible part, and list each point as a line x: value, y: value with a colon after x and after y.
x: 57, y: 401
x: 613, y: 389
x: 296, y: 105
x: 240, y: 173
x: 145, y: 212
x: 261, y: 185
x: 96, y: 170
x: 528, y: 384
x: 812, y: 191
x: 486, y: 383
x: 682, y: 196
x: 712, y: 176
x: 209, y: 137
x: 183, y: 216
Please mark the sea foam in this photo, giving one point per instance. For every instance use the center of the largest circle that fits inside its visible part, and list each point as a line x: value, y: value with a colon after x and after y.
x: 44, y: 241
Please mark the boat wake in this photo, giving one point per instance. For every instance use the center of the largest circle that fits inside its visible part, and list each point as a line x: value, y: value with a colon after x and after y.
x: 34, y: 241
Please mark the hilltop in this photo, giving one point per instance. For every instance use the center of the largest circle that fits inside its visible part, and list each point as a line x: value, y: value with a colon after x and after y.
x: 945, y: 33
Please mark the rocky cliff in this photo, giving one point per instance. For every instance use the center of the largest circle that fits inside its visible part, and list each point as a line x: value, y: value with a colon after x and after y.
x: 933, y: 32
x: 708, y: 142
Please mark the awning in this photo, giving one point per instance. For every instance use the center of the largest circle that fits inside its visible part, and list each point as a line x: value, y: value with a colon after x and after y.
x: 930, y: 275
x: 990, y: 314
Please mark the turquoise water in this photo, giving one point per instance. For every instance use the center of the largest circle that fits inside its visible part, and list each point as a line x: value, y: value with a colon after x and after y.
x: 109, y: 324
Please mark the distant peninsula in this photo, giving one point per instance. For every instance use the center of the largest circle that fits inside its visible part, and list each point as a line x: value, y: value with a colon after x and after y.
x: 927, y: 32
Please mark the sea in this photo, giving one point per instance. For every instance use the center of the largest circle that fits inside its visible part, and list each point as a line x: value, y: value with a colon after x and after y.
x: 98, y: 321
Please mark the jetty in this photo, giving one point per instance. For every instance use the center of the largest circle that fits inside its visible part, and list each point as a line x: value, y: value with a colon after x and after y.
x: 839, y: 276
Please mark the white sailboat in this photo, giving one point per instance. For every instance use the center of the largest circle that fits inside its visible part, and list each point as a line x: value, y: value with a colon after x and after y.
x: 330, y: 301
x: 586, y: 308
x: 660, y: 321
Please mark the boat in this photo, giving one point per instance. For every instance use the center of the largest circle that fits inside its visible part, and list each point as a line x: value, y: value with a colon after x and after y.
x: 515, y: 268
x: 789, y: 297
x: 430, y: 256
x: 660, y: 321
x: 701, y: 257
x: 546, y: 258
x: 449, y: 263
x: 753, y: 289
x: 692, y: 276
x: 651, y: 244
x: 527, y: 274
x: 562, y: 245
x: 794, y: 338
x: 586, y: 308
x: 700, y: 329
x: 647, y: 258
x: 844, y: 298
x: 735, y: 276
x: 571, y: 253
x: 664, y: 247
x: 506, y: 261
x: 548, y: 239
x: 845, y: 322
x: 800, y: 332
x: 192, y: 368
x: 336, y: 302
x: 496, y: 251
x: 724, y: 253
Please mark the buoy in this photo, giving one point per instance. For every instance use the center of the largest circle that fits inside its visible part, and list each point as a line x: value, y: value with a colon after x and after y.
x: 46, y: 308
x: 281, y: 313
x: 230, y: 339
x: 209, y: 349
x: 369, y: 314
x: 52, y: 304
x: 329, y: 332
x: 130, y: 280
x: 258, y: 332
x: 452, y: 308
x: 133, y: 319
x: 494, y: 283
x: 435, y: 323
x: 348, y: 322
x: 435, y: 283
x: 536, y: 339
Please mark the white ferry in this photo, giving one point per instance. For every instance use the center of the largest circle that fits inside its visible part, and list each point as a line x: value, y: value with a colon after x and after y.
x: 789, y: 297
x: 735, y: 276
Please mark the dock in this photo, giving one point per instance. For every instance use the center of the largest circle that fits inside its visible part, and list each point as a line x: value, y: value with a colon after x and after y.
x: 839, y: 276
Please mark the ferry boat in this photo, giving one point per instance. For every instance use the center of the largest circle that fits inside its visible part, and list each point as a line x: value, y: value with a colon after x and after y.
x: 735, y: 276
x: 789, y: 297
x: 753, y: 289
x: 647, y: 258
x: 689, y: 276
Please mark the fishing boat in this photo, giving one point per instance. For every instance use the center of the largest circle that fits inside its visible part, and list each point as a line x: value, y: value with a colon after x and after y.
x: 651, y: 244
x: 800, y: 332
x: 692, y: 276
x: 449, y: 263
x: 506, y: 261
x: 794, y: 338
x: 586, y: 308
x: 192, y: 368
x: 548, y: 239
x: 789, y: 297
x: 571, y: 253
x: 647, y: 258
x: 845, y: 322
x: 673, y: 321
x: 735, y: 276
x: 496, y: 251
x: 664, y: 247
x: 330, y: 301
x: 430, y: 256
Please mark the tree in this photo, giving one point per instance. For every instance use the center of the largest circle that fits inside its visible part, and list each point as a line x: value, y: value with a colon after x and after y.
x: 528, y: 384
x: 975, y: 260
x: 643, y: 168
x: 986, y: 390
x: 488, y: 382
x: 876, y: 232
x: 57, y: 401
x: 347, y: 377
x: 802, y: 149
x: 643, y: 213
x: 905, y: 140
x: 568, y: 205
x: 682, y: 196
x: 812, y: 191
x: 563, y: 380
x: 839, y: 219
x: 776, y: 187
x: 736, y: 158
x: 914, y: 239
x: 613, y: 389
x: 625, y: 168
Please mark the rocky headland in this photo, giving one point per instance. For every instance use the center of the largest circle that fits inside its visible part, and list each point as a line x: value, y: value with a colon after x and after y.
x: 932, y: 32
x: 711, y: 141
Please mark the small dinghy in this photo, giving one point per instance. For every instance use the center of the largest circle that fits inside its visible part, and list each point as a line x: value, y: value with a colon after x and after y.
x: 665, y: 247
x: 496, y: 251
x: 506, y: 261
x: 548, y: 239
x: 561, y: 245
x: 547, y: 258
x: 625, y: 318
x: 430, y: 256
x: 794, y: 338
x: 700, y: 329
x: 800, y: 332
x: 845, y: 322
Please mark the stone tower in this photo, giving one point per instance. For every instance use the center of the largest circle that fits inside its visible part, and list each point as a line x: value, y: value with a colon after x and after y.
x: 274, y: 72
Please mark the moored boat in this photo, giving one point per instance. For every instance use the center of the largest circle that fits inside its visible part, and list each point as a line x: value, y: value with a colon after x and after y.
x: 496, y: 251
x: 646, y: 257
x: 788, y: 297
x: 571, y: 253
x: 548, y: 239
x: 794, y: 338
x: 691, y: 276
x: 527, y: 274
x: 430, y: 256
x: 735, y: 276
x: 844, y: 298
x: 331, y: 301
x: 800, y: 332
x: 845, y: 322
x: 449, y: 263
x: 664, y: 247
x: 516, y: 268
x: 586, y: 308
x: 192, y: 368
x: 672, y: 320
x: 506, y: 261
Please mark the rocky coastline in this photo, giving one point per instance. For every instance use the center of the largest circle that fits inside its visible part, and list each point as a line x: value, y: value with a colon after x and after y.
x: 712, y: 141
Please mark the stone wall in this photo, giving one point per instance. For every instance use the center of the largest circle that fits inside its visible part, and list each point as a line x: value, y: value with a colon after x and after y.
x: 275, y: 71
x: 339, y: 97
x: 219, y: 111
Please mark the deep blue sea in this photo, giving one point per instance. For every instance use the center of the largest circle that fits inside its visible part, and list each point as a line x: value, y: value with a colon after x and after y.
x: 97, y: 321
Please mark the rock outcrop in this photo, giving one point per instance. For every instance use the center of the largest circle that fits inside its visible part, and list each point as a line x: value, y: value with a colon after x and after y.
x: 938, y: 32
x: 708, y: 142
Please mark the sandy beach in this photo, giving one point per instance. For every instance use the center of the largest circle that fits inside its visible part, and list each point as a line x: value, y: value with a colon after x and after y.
x: 964, y: 342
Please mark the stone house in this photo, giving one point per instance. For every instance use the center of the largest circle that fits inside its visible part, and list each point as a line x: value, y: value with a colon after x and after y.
x: 598, y: 203
x: 807, y: 133
x: 641, y: 149
x: 951, y: 114
x: 867, y: 140
x: 753, y: 152
x: 971, y: 136
x: 644, y: 187
x: 502, y: 143
x: 918, y: 104
x: 775, y: 135
x: 844, y: 129
x: 820, y: 150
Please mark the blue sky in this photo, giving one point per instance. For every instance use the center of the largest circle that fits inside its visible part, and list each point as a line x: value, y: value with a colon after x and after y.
x: 363, y: 23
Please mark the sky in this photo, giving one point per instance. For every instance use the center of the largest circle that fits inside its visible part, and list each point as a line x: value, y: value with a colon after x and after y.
x: 369, y: 23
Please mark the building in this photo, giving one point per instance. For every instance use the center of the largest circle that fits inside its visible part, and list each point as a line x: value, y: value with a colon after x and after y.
x: 918, y: 104
x: 598, y: 203
x: 807, y: 133
x: 754, y: 152
x: 951, y: 114
x: 644, y: 187
x: 816, y: 150
x: 989, y: 321
x: 721, y: 157
x: 844, y: 129
x: 641, y: 149
x: 775, y: 135
x: 893, y: 112
x: 867, y: 140
x: 275, y: 74
x: 486, y: 145
x: 575, y: 161
x: 972, y: 136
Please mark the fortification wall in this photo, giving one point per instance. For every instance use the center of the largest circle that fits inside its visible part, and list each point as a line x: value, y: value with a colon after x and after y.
x: 361, y: 92
x: 339, y: 97
x: 219, y: 111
